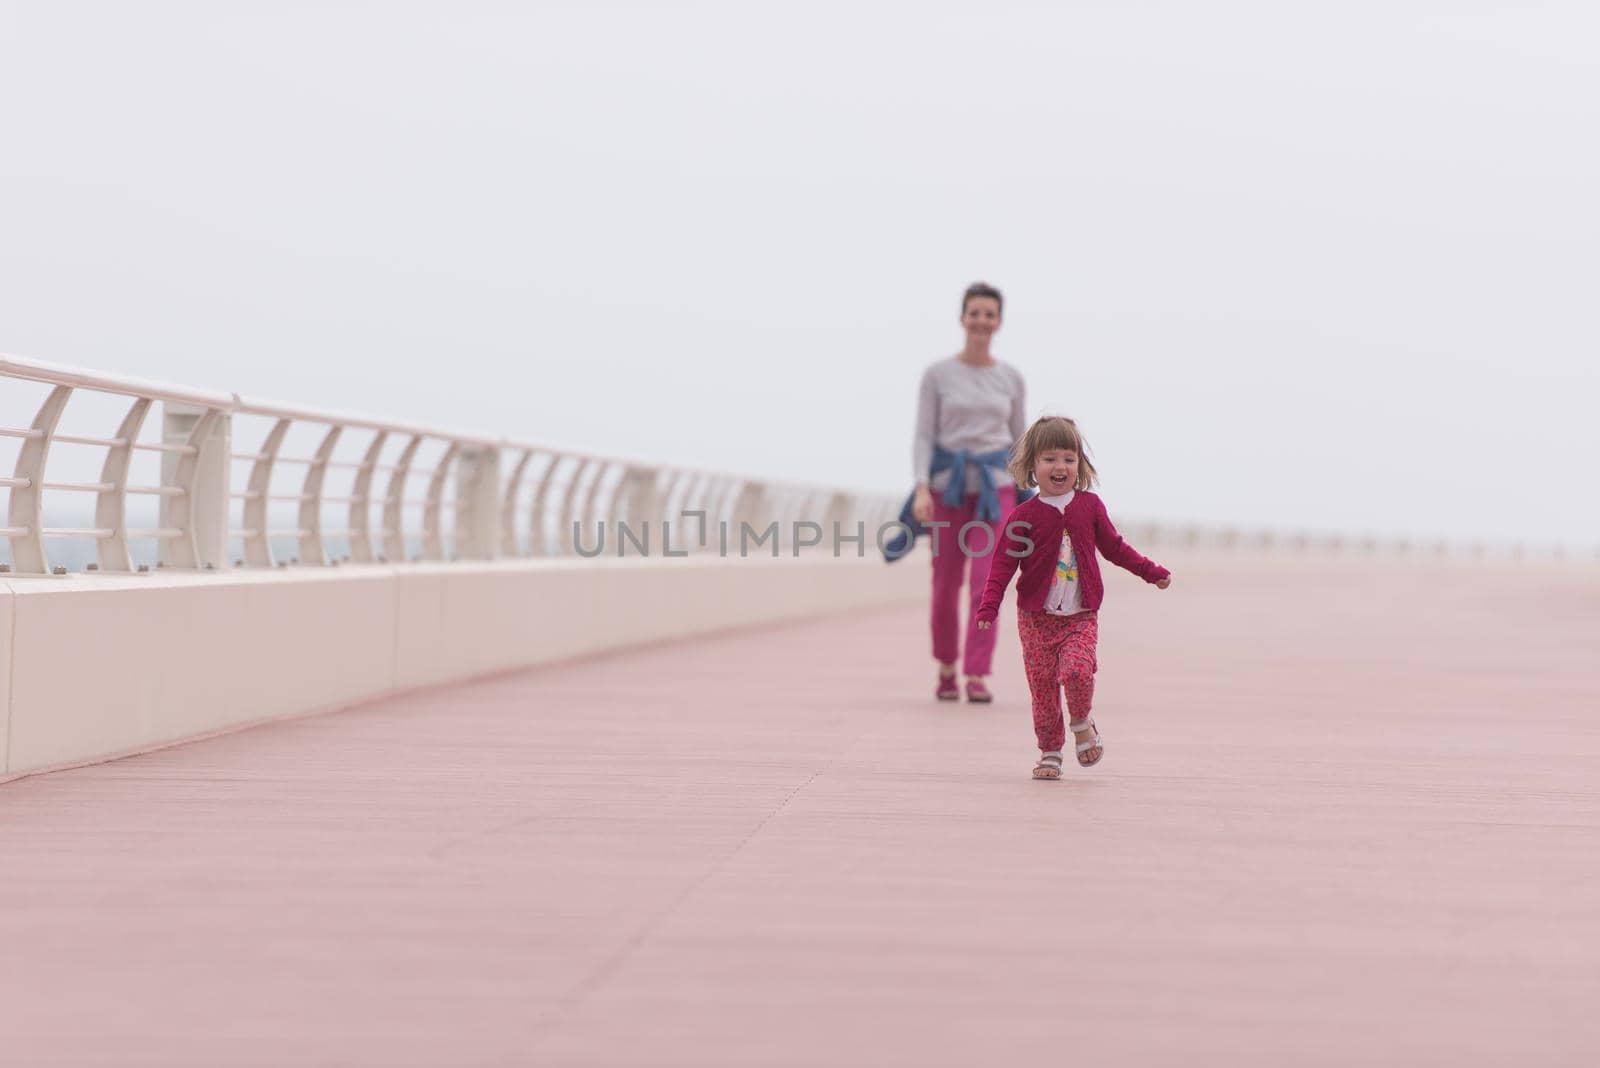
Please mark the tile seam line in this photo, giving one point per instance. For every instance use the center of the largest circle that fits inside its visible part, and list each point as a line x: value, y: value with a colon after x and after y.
x: 597, y: 978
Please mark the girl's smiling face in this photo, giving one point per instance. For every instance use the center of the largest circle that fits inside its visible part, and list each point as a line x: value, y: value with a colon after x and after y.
x: 1056, y: 471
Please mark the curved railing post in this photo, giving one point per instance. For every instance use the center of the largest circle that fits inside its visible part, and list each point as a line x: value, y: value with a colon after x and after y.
x: 313, y: 550
x: 713, y: 492
x: 629, y: 503
x: 670, y: 496
x: 796, y: 507
x: 570, y: 512
x: 26, y: 513
x: 361, y: 547
x: 841, y: 514
x: 714, y: 498
x: 257, y: 532
x: 433, y: 509
x: 804, y: 505
x: 665, y: 505
x: 478, y: 503
x: 700, y: 497
x: 394, y: 502
x: 599, y: 500
x: 196, y: 511
x: 538, y: 510
x: 638, y: 495
x: 744, y: 507
x: 508, y: 507
x: 111, y: 505
x: 605, y: 499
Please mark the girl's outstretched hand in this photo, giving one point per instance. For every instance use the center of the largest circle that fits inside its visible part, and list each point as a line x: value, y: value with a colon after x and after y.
x: 984, y: 624
x: 1164, y: 583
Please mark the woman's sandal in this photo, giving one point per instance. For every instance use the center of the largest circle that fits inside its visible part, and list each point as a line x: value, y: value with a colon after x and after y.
x: 1084, y: 747
x: 1049, y: 766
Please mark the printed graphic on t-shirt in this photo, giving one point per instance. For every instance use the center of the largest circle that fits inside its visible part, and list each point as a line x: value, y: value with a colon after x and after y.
x: 1067, y: 562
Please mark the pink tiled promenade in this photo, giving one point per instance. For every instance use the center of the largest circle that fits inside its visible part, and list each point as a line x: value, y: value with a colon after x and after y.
x: 1349, y: 814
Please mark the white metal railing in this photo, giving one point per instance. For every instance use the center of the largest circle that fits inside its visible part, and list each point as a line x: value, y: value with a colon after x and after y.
x: 480, y: 492
x: 480, y: 497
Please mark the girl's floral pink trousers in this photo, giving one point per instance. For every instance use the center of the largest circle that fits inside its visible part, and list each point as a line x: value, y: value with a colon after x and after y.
x: 1058, y: 651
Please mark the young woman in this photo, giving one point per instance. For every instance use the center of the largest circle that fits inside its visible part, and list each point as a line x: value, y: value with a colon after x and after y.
x: 970, y: 409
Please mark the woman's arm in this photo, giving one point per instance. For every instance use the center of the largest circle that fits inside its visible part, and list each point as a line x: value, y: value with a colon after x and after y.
x: 1119, y: 552
x: 927, y: 428
x: 923, y: 439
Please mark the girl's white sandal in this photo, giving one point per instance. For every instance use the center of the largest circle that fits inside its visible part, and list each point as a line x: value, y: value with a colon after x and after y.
x: 1049, y: 766
x: 1084, y: 747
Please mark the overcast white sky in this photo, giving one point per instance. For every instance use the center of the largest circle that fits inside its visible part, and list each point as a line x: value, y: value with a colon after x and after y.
x: 1330, y: 266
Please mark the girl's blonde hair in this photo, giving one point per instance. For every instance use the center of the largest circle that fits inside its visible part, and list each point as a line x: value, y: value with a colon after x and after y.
x: 1051, y: 432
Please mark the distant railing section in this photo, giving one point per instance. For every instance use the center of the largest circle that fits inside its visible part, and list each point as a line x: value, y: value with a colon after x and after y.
x: 405, y: 492
x: 1260, y: 542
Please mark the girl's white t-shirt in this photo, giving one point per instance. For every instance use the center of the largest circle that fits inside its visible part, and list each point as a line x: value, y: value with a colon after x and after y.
x: 1062, y: 600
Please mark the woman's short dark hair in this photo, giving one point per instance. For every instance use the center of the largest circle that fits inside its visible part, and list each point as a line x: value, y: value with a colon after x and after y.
x: 982, y: 289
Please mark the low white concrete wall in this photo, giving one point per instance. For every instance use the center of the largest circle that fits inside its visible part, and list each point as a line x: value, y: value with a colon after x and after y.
x: 100, y: 666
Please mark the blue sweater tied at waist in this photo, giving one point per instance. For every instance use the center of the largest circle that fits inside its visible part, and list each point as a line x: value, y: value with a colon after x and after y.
x: 954, y: 461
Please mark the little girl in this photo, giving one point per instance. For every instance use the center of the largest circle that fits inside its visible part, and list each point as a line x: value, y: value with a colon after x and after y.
x: 1054, y: 537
